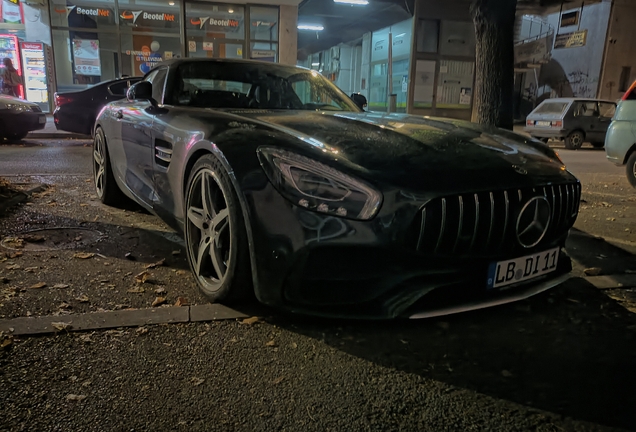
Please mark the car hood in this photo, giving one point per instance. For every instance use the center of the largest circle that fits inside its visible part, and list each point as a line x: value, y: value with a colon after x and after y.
x: 420, y: 153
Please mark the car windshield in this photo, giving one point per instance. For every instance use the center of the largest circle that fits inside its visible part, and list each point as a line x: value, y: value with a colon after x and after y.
x: 551, y: 108
x: 258, y: 86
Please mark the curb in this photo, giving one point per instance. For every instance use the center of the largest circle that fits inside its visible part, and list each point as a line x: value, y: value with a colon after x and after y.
x: 612, y: 281
x: 114, y: 319
x: 57, y: 136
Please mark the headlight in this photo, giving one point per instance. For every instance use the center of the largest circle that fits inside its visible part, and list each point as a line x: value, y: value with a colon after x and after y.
x: 317, y: 187
x: 15, y: 107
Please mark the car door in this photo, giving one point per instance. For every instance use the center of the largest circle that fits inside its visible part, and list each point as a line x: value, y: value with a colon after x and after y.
x: 606, y: 113
x: 136, y: 123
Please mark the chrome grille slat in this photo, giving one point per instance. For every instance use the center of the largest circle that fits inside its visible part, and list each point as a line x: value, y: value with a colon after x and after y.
x: 567, y: 204
x: 461, y: 221
x: 472, y: 242
x: 506, y: 213
x: 492, y: 218
x: 422, y: 226
x: 443, y: 225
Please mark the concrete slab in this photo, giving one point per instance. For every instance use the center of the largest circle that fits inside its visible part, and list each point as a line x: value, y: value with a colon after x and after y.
x: 95, y: 320
x: 613, y: 281
x: 212, y: 312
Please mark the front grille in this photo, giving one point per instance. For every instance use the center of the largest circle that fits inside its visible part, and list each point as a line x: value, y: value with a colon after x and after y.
x: 36, y: 108
x: 484, y: 223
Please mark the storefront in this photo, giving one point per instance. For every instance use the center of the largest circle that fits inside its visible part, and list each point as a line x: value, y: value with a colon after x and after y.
x: 95, y: 41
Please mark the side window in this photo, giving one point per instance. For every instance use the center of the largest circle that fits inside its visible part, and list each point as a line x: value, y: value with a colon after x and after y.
x: 607, y: 109
x: 119, y: 89
x: 158, y: 82
x: 586, y: 109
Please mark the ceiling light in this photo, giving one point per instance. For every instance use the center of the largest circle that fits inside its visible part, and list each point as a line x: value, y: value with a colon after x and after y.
x: 171, y: 3
x: 231, y: 10
x: 353, y: 2
x: 314, y: 27
x: 315, y: 64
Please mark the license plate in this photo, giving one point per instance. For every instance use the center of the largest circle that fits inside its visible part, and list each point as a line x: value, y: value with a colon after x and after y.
x: 42, y: 120
x: 521, y: 269
x: 543, y: 123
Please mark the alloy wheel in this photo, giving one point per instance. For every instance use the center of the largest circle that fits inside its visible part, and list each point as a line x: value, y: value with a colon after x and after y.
x: 209, y: 230
x: 99, y: 164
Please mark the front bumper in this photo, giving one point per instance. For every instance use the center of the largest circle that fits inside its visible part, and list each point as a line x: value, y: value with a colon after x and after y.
x: 322, y: 265
x: 21, y: 122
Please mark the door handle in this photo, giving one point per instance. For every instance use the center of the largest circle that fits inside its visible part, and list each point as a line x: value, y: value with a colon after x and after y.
x: 119, y: 114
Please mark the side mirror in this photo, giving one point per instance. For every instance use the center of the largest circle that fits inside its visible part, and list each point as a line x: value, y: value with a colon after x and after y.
x: 359, y: 100
x: 141, y: 90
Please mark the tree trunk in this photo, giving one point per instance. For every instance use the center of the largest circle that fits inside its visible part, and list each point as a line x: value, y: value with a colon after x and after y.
x: 494, y: 68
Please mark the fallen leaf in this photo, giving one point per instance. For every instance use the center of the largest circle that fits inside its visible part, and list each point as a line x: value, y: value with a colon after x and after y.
x: 294, y: 345
x: 86, y: 338
x: 32, y: 238
x: 176, y: 252
x: 160, y: 290
x: 30, y: 269
x: 141, y: 330
x: 271, y: 343
x: 64, y: 305
x: 84, y: 255
x: 158, y: 301
x: 197, y: 381
x: 137, y: 290
x: 142, y: 277
x: 506, y: 374
x: 61, y: 325
x: 13, y: 267
x: 278, y: 380
x: 250, y: 321
x: 181, y: 301
x: 157, y: 264
x: 38, y: 285
x: 82, y: 299
x: 76, y: 398
x: 13, y: 255
x: 182, y: 272
x: 592, y: 271
x: 83, y: 205
x: 60, y: 286
x: 88, y: 180
x: 86, y: 383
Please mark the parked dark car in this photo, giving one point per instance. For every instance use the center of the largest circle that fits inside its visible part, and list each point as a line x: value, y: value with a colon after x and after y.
x: 284, y: 188
x: 18, y: 117
x: 76, y: 111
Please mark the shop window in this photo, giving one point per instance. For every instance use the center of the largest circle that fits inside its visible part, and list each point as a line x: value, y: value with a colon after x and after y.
x: 140, y: 52
x: 264, y: 51
x: 83, y: 14
x: 215, y: 31
x: 263, y: 23
x: 10, y: 12
x: 427, y: 36
x: 455, y: 84
x: 84, y: 58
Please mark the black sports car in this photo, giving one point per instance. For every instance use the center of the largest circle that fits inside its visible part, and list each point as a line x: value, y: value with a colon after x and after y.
x: 18, y: 117
x: 77, y: 111
x: 284, y: 188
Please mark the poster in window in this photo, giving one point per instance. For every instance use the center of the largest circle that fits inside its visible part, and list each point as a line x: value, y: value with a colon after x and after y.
x: 424, y: 83
x: 10, y: 12
x: 86, y: 57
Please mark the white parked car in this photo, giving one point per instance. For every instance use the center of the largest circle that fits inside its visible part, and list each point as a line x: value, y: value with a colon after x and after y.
x: 620, y: 141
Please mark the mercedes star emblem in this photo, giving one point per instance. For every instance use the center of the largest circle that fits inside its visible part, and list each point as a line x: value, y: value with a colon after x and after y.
x: 533, y: 221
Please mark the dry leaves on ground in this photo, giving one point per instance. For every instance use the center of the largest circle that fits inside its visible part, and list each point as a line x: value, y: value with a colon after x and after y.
x: 75, y: 398
x: 13, y: 267
x: 60, y: 286
x: 181, y: 301
x: 197, y: 381
x: 592, y: 271
x: 142, y: 277
x: 82, y: 299
x: 160, y: 290
x: 159, y: 263
x: 271, y: 343
x: 158, y: 301
x: 250, y: 321
x: 61, y: 325
x: 141, y: 330
x: 84, y: 255
x: 137, y: 290
x: 38, y: 285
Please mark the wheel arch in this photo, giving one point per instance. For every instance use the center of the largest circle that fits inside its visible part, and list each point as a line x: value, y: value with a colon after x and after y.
x: 577, y: 130
x: 205, y: 148
x: 629, y: 152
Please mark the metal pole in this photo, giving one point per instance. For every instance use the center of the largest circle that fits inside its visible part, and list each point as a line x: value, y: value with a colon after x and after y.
x: 389, y: 72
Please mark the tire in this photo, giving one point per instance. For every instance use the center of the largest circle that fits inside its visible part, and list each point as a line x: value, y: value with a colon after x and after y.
x: 575, y: 140
x: 105, y: 185
x: 17, y: 137
x: 631, y: 169
x: 215, y: 234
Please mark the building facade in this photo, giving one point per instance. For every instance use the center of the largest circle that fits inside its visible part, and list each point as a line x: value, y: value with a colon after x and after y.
x: 97, y: 40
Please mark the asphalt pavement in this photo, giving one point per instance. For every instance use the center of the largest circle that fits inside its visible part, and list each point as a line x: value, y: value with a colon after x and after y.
x: 562, y: 360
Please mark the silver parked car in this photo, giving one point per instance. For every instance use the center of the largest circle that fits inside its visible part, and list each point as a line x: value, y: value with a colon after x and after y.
x: 574, y: 120
x: 620, y: 144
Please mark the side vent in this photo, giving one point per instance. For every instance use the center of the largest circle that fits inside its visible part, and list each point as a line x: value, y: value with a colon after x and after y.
x: 163, y: 152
